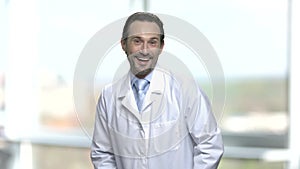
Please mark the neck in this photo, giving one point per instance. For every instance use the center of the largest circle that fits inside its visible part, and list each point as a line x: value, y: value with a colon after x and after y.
x: 143, y: 74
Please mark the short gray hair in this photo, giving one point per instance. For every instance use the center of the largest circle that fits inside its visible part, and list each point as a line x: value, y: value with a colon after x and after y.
x: 143, y: 16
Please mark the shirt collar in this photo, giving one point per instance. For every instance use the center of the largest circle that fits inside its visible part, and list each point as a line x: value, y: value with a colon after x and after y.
x: 134, y: 78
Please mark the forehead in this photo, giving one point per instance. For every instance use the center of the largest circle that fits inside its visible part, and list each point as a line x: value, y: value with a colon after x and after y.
x: 143, y: 27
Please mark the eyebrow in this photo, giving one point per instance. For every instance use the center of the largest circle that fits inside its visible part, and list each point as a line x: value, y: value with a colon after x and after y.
x: 139, y: 37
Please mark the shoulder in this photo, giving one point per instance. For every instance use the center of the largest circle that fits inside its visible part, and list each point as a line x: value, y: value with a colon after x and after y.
x: 176, y: 79
x: 187, y: 85
x: 115, y: 86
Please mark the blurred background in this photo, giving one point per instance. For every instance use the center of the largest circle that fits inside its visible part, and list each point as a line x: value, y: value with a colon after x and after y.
x: 41, y: 41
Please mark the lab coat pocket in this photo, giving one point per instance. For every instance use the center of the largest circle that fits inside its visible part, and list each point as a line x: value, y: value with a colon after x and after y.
x: 165, y: 137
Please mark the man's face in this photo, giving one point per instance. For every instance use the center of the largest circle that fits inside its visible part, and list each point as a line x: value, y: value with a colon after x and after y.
x: 143, y: 46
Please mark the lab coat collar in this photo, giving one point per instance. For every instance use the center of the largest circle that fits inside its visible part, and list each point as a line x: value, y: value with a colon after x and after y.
x: 153, y: 96
x: 156, y: 84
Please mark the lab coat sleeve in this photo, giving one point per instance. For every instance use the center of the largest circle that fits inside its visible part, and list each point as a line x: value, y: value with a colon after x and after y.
x: 102, y: 155
x: 203, y: 128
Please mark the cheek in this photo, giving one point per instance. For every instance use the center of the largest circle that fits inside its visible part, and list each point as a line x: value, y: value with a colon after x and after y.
x: 156, y: 52
x: 131, y: 49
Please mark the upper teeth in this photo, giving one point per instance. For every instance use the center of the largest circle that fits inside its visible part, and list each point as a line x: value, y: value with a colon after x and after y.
x: 143, y: 59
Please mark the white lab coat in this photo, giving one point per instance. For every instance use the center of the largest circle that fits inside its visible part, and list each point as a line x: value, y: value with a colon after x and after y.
x: 175, y: 130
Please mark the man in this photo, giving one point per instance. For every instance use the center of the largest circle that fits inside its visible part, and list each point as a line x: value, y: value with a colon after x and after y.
x: 151, y: 118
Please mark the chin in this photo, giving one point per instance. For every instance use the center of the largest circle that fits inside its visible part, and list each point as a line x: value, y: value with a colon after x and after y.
x: 143, y: 72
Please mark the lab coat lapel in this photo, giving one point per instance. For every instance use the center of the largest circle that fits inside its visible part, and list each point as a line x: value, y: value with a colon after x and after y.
x: 154, y: 96
x: 127, y: 98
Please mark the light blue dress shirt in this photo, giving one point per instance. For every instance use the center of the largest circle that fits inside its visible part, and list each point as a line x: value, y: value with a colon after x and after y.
x: 175, y: 130
x: 134, y: 79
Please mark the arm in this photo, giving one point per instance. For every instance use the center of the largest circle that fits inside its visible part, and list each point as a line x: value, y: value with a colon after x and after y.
x: 101, y: 150
x: 206, y: 135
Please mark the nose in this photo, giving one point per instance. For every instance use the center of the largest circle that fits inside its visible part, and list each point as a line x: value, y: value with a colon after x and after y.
x: 144, y: 49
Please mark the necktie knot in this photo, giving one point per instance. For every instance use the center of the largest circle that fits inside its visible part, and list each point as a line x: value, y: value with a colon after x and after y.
x: 141, y: 84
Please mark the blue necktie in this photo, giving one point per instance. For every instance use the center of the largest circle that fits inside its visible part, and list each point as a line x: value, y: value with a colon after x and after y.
x: 140, y: 86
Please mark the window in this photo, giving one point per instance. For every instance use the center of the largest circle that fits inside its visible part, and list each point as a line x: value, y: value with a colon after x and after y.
x: 38, y: 59
x: 251, y: 41
x: 3, y: 58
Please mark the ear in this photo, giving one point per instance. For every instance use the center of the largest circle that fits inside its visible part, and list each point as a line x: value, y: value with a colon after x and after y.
x: 123, y: 44
x: 162, y: 44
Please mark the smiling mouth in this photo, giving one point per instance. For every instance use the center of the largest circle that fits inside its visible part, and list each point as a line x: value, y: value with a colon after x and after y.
x: 143, y: 59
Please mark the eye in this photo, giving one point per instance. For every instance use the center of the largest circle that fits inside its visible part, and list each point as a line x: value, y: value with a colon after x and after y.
x: 153, y: 42
x: 137, y: 41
